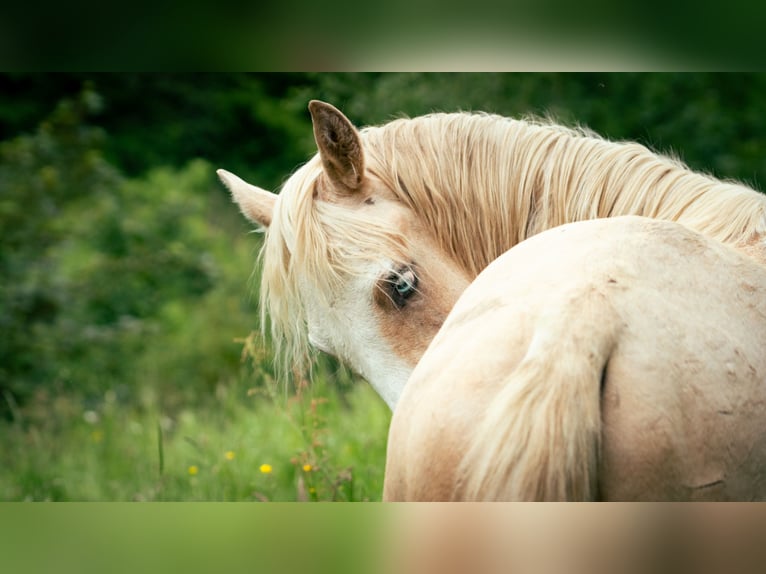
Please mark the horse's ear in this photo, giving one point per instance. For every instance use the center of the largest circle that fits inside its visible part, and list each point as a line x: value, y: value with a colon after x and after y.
x: 255, y: 203
x: 340, y: 146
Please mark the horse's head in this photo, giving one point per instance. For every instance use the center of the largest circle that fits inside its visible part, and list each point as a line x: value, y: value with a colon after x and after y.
x: 348, y: 266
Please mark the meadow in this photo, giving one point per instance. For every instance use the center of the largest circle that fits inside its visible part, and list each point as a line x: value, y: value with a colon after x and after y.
x: 247, y: 444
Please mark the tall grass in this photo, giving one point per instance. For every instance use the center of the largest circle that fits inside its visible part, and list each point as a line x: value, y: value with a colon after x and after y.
x: 321, y: 442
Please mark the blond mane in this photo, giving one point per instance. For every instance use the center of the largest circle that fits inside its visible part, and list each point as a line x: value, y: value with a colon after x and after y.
x: 482, y: 184
x: 485, y: 183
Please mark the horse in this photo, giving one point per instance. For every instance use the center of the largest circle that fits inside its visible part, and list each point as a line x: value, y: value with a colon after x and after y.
x: 610, y: 359
x: 370, y: 243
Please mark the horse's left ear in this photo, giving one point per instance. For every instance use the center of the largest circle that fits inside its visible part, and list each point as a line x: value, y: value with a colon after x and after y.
x: 340, y: 146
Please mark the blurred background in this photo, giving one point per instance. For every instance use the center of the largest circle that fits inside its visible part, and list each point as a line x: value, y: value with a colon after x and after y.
x: 131, y: 365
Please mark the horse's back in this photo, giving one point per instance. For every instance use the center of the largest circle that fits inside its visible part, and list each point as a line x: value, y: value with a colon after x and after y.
x: 682, y: 394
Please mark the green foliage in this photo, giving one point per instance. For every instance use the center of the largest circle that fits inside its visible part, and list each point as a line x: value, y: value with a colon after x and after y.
x: 45, y: 177
x: 99, y: 269
x: 248, y: 123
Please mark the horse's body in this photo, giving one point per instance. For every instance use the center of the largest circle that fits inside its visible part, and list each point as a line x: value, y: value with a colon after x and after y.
x: 617, y: 359
x: 371, y: 243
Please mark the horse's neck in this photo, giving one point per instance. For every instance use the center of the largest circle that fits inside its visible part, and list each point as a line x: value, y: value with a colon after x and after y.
x: 586, y: 178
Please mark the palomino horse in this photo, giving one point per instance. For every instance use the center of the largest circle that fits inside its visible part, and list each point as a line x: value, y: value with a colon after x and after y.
x: 615, y: 359
x: 371, y: 242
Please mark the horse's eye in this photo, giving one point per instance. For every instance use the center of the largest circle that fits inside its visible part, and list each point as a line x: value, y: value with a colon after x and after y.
x: 404, y: 284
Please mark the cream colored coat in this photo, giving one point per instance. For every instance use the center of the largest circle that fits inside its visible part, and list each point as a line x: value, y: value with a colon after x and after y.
x: 617, y: 359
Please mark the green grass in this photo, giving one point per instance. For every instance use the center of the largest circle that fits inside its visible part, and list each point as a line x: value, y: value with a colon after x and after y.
x: 325, y: 442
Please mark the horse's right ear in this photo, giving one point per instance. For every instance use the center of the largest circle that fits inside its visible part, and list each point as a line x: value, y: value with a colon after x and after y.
x: 255, y: 203
x: 340, y: 146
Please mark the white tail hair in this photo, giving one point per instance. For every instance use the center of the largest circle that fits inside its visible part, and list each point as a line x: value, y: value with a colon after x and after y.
x: 540, y: 439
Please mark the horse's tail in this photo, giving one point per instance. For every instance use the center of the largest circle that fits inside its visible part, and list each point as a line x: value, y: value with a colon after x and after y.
x: 540, y: 438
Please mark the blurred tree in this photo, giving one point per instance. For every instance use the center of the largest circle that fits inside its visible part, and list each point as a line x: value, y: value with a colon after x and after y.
x: 246, y: 122
x: 42, y: 176
x: 89, y: 259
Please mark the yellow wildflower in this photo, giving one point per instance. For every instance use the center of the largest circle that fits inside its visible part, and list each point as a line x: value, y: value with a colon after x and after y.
x: 193, y: 470
x: 312, y: 490
x: 307, y: 468
x: 266, y: 468
x: 229, y: 455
